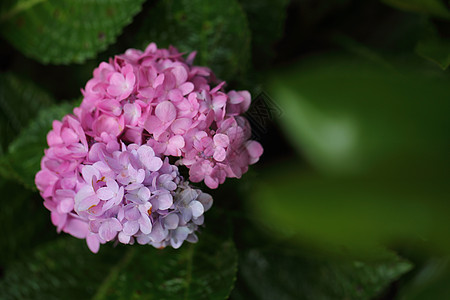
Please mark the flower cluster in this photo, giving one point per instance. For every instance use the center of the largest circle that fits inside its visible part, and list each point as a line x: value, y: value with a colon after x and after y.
x: 106, y: 174
x: 157, y: 97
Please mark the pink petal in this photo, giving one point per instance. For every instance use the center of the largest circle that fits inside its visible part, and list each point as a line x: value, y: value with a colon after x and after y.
x: 66, y: 205
x: 148, y: 159
x: 165, y: 201
x: 186, y: 88
x: 105, y: 193
x: 130, y: 227
x: 197, y: 208
x: 152, y: 124
x: 110, y: 106
x: 145, y: 225
x: 87, y: 203
x: 93, y: 242
x: 180, y: 73
x: 77, y: 228
x: 89, y: 173
x: 166, y: 111
x: 177, y: 142
x: 175, y: 95
x: 221, y: 140
x: 180, y: 126
x: 144, y: 193
x: 171, y: 221
x: 108, y: 230
x: 220, y: 154
x: 255, y: 150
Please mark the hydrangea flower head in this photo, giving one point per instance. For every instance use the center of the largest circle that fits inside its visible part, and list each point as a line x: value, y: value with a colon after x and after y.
x: 157, y: 97
x: 107, y: 176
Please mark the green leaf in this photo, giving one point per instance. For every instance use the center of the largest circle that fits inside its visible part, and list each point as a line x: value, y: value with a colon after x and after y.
x: 358, y: 212
x: 435, y: 8
x: 65, y: 269
x: 430, y: 282
x: 206, y: 270
x: 62, y: 269
x: 25, y: 153
x: 217, y: 30
x: 434, y: 48
x: 283, y: 274
x: 266, y: 20
x: 351, y: 116
x: 61, y: 32
x: 20, y: 100
x: 24, y: 222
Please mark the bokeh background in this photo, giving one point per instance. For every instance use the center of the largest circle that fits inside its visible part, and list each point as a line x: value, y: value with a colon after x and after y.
x: 350, y: 102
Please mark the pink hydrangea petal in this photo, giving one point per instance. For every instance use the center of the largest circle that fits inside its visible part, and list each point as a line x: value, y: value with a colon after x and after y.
x: 221, y: 140
x: 66, y: 205
x: 255, y: 150
x: 109, y: 228
x: 90, y: 173
x: 132, y: 214
x: 186, y: 88
x: 181, y: 125
x: 105, y: 193
x: 93, y: 242
x: 220, y: 154
x: 180, y: 73
x: 145, y: 225
x: 197, y: 208
x: 111, y: 106
x: 175, y: 95
x: 77, y: 228
x: 165, y: 201
x: 123, y: 238
x: 166, y: 111
x: 144, y: 193
x: 152, y: 124
x: 130, y: 227
x: 171, y: 221
x: 147, y: 157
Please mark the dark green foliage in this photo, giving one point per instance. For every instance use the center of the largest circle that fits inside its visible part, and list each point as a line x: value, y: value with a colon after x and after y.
x: 351, y: 115
x: 433, y: 7
x: 218, y: 31
x: 205, y: 270
x: 66, y: 269
x: 62, y: 32
x: 63, y: 269
x: 283, y: 274
x: 266, y: 20
x: 20, y: 100
x: 24, y: 221
x: 355, y: 166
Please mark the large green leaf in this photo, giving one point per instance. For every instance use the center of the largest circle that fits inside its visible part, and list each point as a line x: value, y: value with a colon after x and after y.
x: 20, y: 100
x: 62, y: 32
x: 357, y: 213
x: 434, y: 47
x: 22, y: 161
x: 351, y: 116
x: 67, y: 270
x: 206, y: 270
x: 24, y: 222
x: 216, y: 29
x: 283, y: 274
x: 433, y: 7
x: 430, y: 282
x: 62, y: 269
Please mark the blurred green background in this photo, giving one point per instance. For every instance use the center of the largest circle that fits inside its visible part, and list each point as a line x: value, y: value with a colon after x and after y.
x: 351, y: 103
